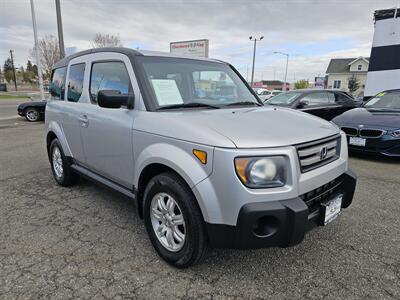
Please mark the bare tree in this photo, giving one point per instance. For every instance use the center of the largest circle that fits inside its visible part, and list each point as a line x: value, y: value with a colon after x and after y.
x: 49, y: 54
x: 106, y: 40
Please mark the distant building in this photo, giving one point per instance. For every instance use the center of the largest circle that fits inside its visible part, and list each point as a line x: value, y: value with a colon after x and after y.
x: 340, y: 70
x: 271, y: 85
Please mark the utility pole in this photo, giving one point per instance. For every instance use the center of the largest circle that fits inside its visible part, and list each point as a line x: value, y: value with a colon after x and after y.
x: 254, y: 56
x: 287, y: 62
x: 37, y: 51
x: 12, y: 63
x: 60, y: 30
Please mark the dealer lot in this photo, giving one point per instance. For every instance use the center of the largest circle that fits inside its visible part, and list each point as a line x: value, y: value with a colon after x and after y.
x: 88, y: 242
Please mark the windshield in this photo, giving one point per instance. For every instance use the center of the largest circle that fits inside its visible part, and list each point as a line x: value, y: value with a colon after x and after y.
x: 283, y: 98
x: 385, y: 100
x: 179, y: 83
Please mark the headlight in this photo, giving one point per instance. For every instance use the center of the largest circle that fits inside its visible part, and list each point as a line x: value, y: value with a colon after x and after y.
x: 395, y: 133
x: 261, y: 172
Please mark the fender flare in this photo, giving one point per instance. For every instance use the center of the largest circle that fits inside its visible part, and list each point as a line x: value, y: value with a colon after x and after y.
x: 55, y: 128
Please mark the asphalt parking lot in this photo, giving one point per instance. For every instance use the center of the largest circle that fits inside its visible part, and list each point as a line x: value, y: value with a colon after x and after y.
x: 88, y: 242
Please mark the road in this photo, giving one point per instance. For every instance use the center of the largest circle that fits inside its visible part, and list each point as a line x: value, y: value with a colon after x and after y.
x: 88, y: 242
x: 8, y: 108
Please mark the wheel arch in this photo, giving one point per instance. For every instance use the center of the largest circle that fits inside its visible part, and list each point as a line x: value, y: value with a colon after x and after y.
x: 54, y: 130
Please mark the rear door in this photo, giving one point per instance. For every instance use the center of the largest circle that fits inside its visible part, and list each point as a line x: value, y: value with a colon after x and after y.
x: 107, y: 132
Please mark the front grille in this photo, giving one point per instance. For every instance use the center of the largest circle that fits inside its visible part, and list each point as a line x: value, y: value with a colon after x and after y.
x: 314, y: 198
x: 371, y: 133
x: 351, y: 131
x: 315, y: 154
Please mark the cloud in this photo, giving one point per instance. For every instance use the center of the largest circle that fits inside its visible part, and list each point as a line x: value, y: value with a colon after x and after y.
x: 307, y: 29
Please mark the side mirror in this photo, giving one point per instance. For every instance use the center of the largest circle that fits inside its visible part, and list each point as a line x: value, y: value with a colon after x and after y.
x: 113, y: 99
x: 302, y: 104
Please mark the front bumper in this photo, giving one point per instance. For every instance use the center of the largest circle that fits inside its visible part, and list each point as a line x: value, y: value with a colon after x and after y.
x: 282, y: 223
x: 385, y: 145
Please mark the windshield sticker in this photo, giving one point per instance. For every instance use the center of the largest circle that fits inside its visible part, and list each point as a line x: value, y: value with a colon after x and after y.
x: 380, y: 94
x: 167, y: 91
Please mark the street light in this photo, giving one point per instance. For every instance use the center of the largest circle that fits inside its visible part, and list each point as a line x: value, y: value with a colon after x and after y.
x: 254, y: 56
x: 287, y: 62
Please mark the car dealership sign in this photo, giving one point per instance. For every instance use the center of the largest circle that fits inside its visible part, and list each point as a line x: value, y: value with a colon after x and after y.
x: 196, y: 48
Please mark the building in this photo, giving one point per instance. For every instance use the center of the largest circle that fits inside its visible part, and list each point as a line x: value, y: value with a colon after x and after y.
x: 271, y: 85
x: 341, y: 70
x: 384, y: 68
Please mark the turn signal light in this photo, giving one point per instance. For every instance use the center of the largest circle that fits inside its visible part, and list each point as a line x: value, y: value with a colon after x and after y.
x: 201, y: 156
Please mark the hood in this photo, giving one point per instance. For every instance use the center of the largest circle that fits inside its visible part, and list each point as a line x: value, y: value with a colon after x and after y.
x: 241, y: 128
x: 33, y: 103
x: 369, y: 117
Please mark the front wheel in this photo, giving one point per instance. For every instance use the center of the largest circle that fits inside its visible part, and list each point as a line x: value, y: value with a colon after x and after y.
x: 32, y: 114
x: 173, y: 221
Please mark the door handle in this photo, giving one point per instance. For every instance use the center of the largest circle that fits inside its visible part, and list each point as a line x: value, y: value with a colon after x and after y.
x: 83, y: 120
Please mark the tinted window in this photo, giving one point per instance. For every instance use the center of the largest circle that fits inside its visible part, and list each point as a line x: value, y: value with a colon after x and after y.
x: 109, y: 76
x: 75, y: 82
x: 314, y: 99
x: 57, y: 84
x: 342, y: 99
x: 284, y: 98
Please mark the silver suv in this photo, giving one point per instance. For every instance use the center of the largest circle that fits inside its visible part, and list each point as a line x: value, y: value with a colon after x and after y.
x: 190, y: 142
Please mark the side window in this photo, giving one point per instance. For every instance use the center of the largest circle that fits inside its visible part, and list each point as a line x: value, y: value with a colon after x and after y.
x: 57, y: 85
x: 315, y: 99
x: 75, y: 82
x: 342, y: 99
x: 109, y: 76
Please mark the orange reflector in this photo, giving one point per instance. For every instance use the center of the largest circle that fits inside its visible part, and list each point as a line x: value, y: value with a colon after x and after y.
x: 201, y: 155
x: 241, y: 165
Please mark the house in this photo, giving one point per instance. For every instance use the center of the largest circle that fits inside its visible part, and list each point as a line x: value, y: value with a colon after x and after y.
x: 341, y: 70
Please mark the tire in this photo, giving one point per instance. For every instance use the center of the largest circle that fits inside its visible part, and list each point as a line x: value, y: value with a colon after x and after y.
x: 32, y: 114
x: 167, y: 187
x: 64, y: 176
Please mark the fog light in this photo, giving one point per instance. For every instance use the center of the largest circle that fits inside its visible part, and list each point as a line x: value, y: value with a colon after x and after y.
x: 266, y: 226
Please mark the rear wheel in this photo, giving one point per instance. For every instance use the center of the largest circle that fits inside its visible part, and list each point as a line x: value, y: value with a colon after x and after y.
x: 32, y: 114
x: 62, y: 171
x: 173, y: 221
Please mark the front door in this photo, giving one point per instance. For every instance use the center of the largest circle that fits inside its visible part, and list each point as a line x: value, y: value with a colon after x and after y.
x: 107, y: 132
x: 319, y: 104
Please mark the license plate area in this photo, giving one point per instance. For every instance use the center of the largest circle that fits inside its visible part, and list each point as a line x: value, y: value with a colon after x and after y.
x: 357, y: 141
x: 330, y: 210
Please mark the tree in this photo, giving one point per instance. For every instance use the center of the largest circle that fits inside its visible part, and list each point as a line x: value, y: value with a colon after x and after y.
x: 8, y: 65
x: 35, y: 70
x: 106, y: 40
x: 8, y: 70
x: 29, y: 66
x: 354, y: 84
x: 49, y: 54
x: 301, y: 84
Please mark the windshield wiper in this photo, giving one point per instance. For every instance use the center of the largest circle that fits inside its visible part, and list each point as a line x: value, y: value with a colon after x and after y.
x: 189, y: 104
x: 244, y: 103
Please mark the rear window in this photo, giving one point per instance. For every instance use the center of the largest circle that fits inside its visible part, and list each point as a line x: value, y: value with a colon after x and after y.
x: 75, y: 82
x: 57, y: 85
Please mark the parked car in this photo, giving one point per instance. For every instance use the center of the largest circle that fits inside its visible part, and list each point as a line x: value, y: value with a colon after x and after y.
x: 325, y: 104
x: 374, y: 127
x: 266, y: 94
x: 33, y: 111
x: 202, y: 171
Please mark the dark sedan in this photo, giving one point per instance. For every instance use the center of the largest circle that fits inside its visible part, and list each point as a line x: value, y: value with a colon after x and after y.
x: 374, y: 127
x: 326, y: 104
x: 33, y: 111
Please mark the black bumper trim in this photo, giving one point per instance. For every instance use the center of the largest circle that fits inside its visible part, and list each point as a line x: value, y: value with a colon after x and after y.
x: 286, y: 221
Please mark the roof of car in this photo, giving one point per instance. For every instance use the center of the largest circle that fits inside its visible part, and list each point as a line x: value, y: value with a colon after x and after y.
x: 318, y: 90
x: 127, y: 51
